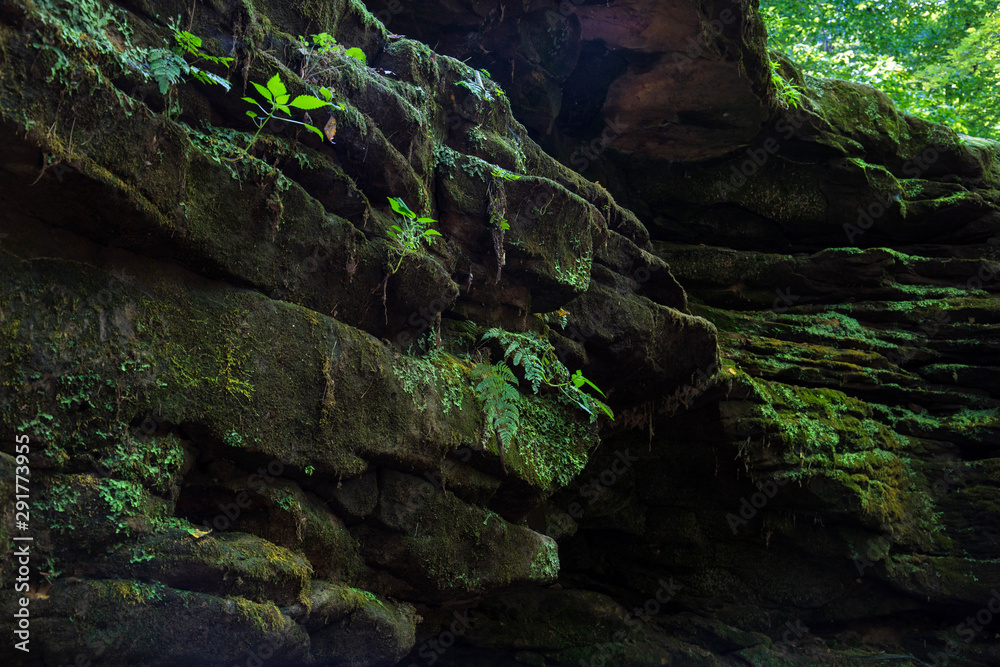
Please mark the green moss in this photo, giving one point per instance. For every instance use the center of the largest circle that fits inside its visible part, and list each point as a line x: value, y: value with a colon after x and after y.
x: 577, y: 275
x: 553, y: 444
x: 151, y: 461
x: 442, y: 372
x: 131, y: 592
x: 263, y: 616
x: 838, y: 447
x: 57, y: 502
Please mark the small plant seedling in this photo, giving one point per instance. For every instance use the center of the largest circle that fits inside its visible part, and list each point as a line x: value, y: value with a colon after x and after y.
x: 190, y: 44
x: 789, y: 94
x: 411, y: 234
x: 170, y: 66
x: 276, y: 96
x: 499, y: 172
x: 316, y: 51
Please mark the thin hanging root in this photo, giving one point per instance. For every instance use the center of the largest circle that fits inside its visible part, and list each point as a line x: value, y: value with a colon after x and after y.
x: 503, y: 463
x: 498, y: 219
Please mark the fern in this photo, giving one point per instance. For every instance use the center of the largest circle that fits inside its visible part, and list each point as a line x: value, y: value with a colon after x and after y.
x: 169, y: 66
x: 166, y: 68
x: 537, y: 357
x: 497, y: 388
x: 476, y: 86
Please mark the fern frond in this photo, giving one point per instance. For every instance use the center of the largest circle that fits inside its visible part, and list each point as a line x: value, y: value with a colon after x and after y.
x: 506, y: 426
x: 166, y: 68
x: 505, y: 373
x: 497, y: 388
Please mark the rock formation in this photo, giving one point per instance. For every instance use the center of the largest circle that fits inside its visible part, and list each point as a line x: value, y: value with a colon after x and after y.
x: 251, y: 441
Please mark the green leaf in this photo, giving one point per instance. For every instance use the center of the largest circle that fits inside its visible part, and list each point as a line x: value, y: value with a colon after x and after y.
x: 187, y: 41
x: 263, y: 91
x: 276, y: 87
x: 327, y: 93
x: 251, y: 114
x: 432, y: 232
x: 355, y: 52
x: 426, y: 220
x: 249, y: 99
x: 316, y: 130
x: 579, y: 381
x: 308, y: 102
x: 282, y: 99
x: 208, y: 77
x: 400, y: 207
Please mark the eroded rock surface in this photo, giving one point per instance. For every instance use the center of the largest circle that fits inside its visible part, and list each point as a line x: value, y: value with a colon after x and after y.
x: 251, y: 440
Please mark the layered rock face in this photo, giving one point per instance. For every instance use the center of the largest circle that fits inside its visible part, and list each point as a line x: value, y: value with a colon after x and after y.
x: 258, y: 430
x: 674, y: 80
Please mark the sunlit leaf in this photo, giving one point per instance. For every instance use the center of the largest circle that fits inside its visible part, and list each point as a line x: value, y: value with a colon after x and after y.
x: 314, y: 129
x: 400, y: 207
x: 263, y: 91
x: 276, y: 87
x: 308, y: 102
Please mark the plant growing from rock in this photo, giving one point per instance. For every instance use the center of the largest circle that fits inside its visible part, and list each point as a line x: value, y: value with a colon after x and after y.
x: 411, y: 234
x: 316, y: 52
x: 170, y: 66
x: 789, y: 94
x: 498, y: 215
x: 277, y: 98
x: 496, y: 387
x: 537, y: 357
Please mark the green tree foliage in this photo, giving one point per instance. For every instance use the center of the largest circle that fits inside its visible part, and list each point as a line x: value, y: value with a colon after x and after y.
x: 937, y: 59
